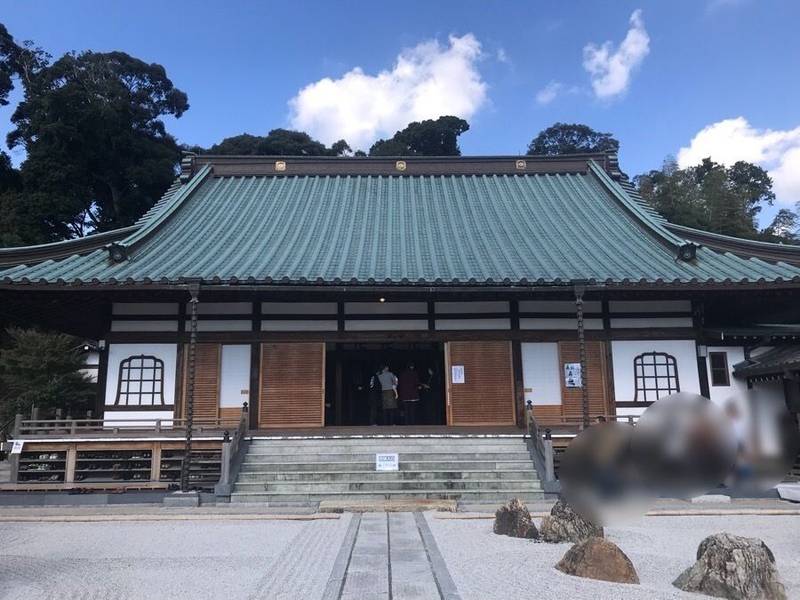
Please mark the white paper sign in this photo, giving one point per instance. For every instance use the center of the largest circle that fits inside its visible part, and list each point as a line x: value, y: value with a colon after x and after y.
x: 457, y: 373
x: 387, y: 462
x: 16, y: 447
x: 573, y: 377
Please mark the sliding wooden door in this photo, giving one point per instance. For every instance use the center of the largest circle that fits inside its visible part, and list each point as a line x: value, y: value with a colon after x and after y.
x: 486, y: 396
x: 292, y: 388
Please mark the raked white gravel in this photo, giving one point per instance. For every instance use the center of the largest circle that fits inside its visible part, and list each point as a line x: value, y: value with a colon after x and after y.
x: 486, y: 566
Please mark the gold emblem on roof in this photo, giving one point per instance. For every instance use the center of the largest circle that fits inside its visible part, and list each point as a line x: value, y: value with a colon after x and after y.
x: 400, y: 165
x: 280, y: 165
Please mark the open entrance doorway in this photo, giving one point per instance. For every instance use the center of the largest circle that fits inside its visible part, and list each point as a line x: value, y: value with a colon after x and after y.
x: 350, y: 366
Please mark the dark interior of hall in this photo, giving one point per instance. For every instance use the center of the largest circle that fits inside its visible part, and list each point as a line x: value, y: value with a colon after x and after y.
x: 351, y: 366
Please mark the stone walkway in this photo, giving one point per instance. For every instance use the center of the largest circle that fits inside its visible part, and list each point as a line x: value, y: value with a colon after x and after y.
x: 390, y: 556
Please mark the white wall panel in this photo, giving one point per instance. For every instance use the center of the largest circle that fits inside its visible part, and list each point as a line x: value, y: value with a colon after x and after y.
x: 299, y: 325
x: 168, y: 353
x: 528, y: 323
x: 137, y: 418
x: 144, y: 308
x: 386, y: 325
x: 471, y: 307
x: 541, y: 373
x: 557, y: 306
x: 452, y: 324
x: 650, y: 306
x: 298, y: 308
x: 144, y: 326
x: 220, y: 325
x: 647, y: 322
x: 385, y: 308
x: 623, y: 353
x: 222, y: 308
x: 235, y: 375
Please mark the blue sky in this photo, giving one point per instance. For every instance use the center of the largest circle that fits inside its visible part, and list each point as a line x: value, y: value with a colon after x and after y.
x: 729, y: 67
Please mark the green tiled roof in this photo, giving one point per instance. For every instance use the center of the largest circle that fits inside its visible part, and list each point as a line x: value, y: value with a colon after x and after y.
x: 499, y: 229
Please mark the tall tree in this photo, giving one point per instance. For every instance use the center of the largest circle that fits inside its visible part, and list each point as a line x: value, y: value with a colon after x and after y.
x: 98, y: 154
x: 437, y: 137
x: 42, y: 369
x: 571, y: 138
x: 716, y: 198
x: 278, y: 142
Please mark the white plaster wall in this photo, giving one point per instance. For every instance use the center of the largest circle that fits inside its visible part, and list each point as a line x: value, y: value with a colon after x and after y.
x: 471, y: 307
x: 623, y: 353
x: 144, y: 325
x: 387, y: 325
x: 451, y: 324
x: 650, y: 306
x: 530, y: 323
x: 220, y: 325
x: 385, y: 308
x: 144, y: 308
x: 648, y: 322
x: 298, y: 308
x: 299, y: 325
x: 222, y: 308
x: 235, y: 375
x: 118, y: 352
x: 558, y: 306
x: 720, y: 393
x: 541, y: 373
x: 137, y: 418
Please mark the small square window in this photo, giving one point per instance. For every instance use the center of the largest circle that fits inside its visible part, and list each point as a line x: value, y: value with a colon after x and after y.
x: 720, y: 376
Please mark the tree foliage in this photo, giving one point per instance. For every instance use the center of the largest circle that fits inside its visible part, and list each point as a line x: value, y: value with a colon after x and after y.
x: 424, y: 138
x: 571, y: 138
x: 278, y: 142
x: 98, y: 154
x: 712, y: 197
x: 44, y: 370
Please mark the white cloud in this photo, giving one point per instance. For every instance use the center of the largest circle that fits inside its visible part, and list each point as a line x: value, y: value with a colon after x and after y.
x: 549, y: 93
x: 730, y: 140
x: 502, y: 55
x: 425, y: 82
x: 609, y: 69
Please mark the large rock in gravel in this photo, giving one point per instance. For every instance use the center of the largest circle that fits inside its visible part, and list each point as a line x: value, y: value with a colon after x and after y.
x: 735, y: 567
x: 565, y: 525
x: 514, y: 519
x: 597, y: 558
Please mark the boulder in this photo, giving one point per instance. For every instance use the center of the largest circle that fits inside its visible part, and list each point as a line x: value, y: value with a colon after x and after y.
x: 565, y: 525
x: 597, y: 558
x: 514, y: 520
x: 734, y: 567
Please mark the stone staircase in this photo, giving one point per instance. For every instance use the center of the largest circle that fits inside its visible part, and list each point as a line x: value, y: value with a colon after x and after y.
x: 466, y: 469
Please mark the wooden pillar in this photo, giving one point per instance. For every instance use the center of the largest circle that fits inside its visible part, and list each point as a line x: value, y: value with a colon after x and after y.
x: 255, y: 367
x: 194, y: 290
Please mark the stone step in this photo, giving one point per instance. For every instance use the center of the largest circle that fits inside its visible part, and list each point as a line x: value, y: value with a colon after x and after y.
x: 460, y: 495
x: 387, y: 447
x: 403, y: 456
x: 352, y: 475
x: 369, y: 465
x: 325, y: 487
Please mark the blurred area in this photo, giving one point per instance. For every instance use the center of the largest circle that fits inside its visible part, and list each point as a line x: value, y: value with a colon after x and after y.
x: 683, y: 446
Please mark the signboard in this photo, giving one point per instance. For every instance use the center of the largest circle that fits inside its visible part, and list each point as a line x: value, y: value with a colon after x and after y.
x: 457, y: 373
x: 573, y: 377
x: 387, y: 462
x: 16, y: 447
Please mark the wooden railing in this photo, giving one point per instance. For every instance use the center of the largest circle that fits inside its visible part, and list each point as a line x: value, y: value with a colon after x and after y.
x: 53, y: 427
x: 233, y: 451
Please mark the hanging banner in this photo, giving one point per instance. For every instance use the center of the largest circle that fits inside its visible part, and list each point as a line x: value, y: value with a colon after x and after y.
x: 573, y: 376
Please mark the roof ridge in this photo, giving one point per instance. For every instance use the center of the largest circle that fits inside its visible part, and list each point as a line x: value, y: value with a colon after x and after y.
x: 636, y: 209
x: 169, y: 207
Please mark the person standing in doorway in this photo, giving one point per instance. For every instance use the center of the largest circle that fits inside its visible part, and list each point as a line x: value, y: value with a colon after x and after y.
x: 388, y: 382
x: 430, y: 387
x: 375, y: 396
x: 408, y: 393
